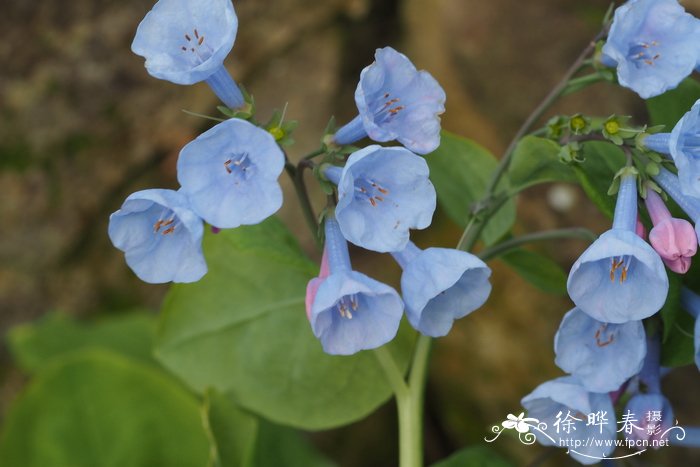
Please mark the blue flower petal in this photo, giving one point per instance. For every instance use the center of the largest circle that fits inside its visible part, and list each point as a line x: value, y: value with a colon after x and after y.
x: 601, y: 355
x: 655, y: 45
x: 352, y: 312
x: 440, y: 285
x: 684, y: 145
x: 384, y: 192
x: 230, y: 174
x: 567, y: 395
x: 619, y: 278
x: 398, y: 102
x: 186, y: 41
x: 160, y: 236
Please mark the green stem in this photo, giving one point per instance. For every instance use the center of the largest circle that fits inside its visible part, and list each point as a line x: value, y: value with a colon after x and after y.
x: 536, y: 114
x: 409, y: 399
x: 513, y: 243
x: 317, y: 152
x: 297, y: 176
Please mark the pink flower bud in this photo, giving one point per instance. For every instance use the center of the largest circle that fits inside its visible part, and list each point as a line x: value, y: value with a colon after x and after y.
x: 676, y: 242
x: 673, y: 239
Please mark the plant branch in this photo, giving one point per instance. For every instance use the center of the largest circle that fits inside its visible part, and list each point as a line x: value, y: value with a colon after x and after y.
x: 297, y: 176
x: 513, y: 243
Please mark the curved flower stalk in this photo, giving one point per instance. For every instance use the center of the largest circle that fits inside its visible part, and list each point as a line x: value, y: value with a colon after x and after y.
x: 160, y: 236
x: 683, y: 144
x: 564, y: 400
x: 350, y: 311
x: 672, y: 186
x: 601, y: 355
x: 673, y: 239
x: 396, y: 102
x: 230, y: 174
x: 619, y: 278
x: 186, y: 41
x: 653, y: 44
x: 382, y: 193
x: 440, y: 285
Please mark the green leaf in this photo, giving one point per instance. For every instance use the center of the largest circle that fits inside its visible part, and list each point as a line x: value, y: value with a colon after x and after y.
x: 461, y: 171
x: 678, y: 348
x: 474, y: 456
x: 243, y: 330
x: 279, y: 446
x: 536, y: 160
x: 602, y: 161
x: 232, y: 432
x: 669, y: 107
x: 96, y: 408
x: 537, y: 269
x: 36, y: 344
x: 672, y: 308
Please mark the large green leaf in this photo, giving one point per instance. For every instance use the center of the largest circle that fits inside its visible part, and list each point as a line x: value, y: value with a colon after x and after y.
x: 596, y: 173
x: 537, y: 269
x: 242, y: 329
x: 95, y: 408
x: 474, y: 456
x: 669, y: 107
x: 461, y: 170
x: 536, y: 160
x: 34, y: 344
x: 232, y: 432
x: 279, y: 446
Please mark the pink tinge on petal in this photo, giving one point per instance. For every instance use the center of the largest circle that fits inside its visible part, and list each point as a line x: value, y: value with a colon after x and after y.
x: 679, y: 266
x: 311, y: 289
x: 325, y: 268
x: 640, y: 229
x: 215, y: 230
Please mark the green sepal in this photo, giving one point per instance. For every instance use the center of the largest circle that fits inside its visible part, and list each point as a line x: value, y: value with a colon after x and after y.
x: 580, y: 125
x: 571, y: 153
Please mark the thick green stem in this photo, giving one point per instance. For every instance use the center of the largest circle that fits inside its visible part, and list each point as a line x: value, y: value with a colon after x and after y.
x: 409, y: 399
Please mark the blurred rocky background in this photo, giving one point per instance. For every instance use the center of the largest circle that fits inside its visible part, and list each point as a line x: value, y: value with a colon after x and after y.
x: 82, y: 125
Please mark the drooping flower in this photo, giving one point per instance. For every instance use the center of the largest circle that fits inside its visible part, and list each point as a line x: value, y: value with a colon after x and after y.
x: 440, y: 285
x: 651, y: 412
x: 382, y: 193
x: 653, y: 44
x: 653, y: 416
x: 683, y: 144
x: 230, y: 174
x: 619, y: 278
x: 673, y: 239
x: 186, y: 41
x: 567, y: 407
x: 160, y: 236
x: 691, y: 303
x: 601, y: 355
x: 672, y: 186
x: 396, y: 102
x: 350, y: 311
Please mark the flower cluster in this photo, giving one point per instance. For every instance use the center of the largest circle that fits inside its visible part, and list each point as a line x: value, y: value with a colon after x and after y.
x: 383, y: 192
x: 618, y: 282
x: 228, y: 177
x: 228, y: 174
x: 653, y: 44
